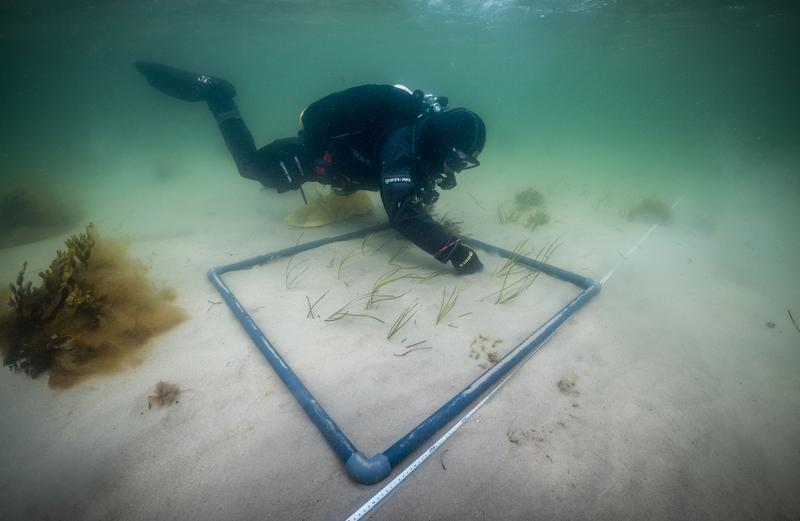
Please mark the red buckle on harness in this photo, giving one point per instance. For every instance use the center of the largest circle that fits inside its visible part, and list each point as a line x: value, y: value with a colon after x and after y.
x: 321, y: 166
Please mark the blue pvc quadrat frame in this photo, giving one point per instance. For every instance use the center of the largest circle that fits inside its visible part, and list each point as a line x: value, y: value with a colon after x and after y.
x: 369, y: 470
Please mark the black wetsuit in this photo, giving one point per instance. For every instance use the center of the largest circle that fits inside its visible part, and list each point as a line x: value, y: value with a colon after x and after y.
x: 363, y: 138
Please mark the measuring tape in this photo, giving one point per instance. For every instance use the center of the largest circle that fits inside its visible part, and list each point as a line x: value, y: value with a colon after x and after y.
x: 385, y: 491
x: 634, y: 248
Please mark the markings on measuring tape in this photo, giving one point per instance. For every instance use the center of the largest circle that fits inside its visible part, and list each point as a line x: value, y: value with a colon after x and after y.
x: 634, y: 248
x: 385, y: 491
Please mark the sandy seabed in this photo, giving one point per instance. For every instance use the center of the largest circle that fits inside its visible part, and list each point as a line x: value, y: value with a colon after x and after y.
x: 673, y: 395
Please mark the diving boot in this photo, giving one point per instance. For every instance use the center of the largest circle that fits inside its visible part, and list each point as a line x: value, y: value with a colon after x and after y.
x: 183, y: 85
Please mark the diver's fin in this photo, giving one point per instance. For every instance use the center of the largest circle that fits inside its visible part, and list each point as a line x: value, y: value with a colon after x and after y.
x: 187, y: 86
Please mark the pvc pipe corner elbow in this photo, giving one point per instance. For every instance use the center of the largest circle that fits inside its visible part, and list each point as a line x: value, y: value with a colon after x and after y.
x: 368, y: 471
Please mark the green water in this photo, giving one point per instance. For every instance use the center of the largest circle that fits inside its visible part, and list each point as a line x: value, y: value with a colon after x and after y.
x: 653, y: 89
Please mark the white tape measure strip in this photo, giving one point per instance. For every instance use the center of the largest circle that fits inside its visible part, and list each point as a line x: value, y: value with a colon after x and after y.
x: 634, y: 248
x: 385, y: 491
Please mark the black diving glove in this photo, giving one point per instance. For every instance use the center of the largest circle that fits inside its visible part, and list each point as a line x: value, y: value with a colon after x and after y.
x: 184, y: 85
x: 465, y: 260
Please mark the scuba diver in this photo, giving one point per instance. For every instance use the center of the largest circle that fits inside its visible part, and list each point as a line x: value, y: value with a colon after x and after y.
x: 382, y: 138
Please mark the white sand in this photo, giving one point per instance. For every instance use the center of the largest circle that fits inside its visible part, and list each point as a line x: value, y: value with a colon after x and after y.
x: 684, y: 405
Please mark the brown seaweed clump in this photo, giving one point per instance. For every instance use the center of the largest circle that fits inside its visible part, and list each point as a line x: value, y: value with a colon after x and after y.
x: 527, y: 199
x: 527, y: 208
x: 31, y: 213
x: 165, y: 393
x: 650, y: 211
x: 537, y: 219
x: 94, y: 308
x: 328, y: 209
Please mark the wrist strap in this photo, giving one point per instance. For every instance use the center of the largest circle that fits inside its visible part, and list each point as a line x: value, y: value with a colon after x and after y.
x: 448, y: 248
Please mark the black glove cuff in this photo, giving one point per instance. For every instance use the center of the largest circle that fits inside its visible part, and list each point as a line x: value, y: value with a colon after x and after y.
x: 465, y: 260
